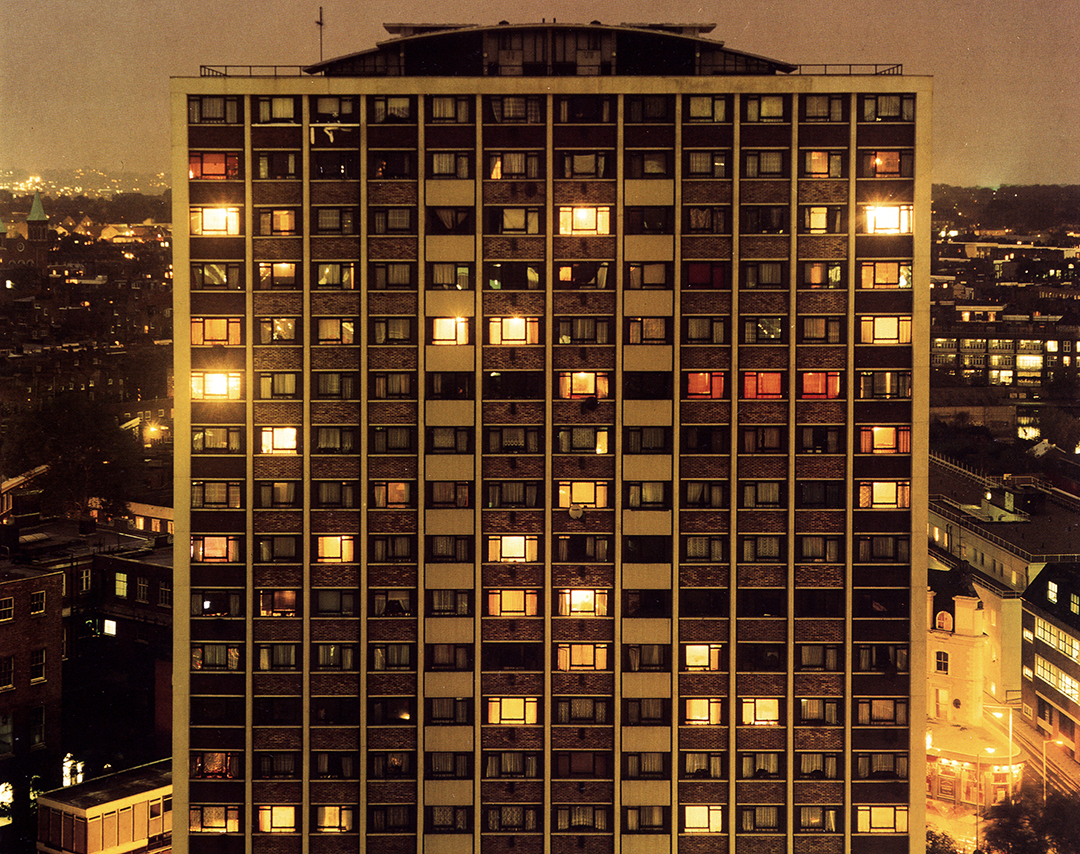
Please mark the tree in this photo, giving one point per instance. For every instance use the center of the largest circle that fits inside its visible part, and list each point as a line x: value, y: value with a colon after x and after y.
x: 1058, y: 823
x: 88, y: 455
x: 1011, y: 827
x: 940, y: 843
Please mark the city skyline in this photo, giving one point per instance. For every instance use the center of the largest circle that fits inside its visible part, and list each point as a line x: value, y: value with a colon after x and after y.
x: 999, y: 96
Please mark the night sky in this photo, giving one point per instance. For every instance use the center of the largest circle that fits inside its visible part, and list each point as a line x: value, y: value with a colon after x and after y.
x: 85, y: 83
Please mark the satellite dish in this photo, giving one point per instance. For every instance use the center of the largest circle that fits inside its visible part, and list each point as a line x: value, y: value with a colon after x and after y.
x: 576, y: 511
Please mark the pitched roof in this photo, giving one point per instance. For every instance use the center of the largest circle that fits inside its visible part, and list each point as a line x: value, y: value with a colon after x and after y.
x: 37, y: 210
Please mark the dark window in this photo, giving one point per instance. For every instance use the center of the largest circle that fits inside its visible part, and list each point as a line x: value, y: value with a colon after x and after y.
x: 703, y: 602
x: 652, y: 603
x: 762, y: 602
x: 647, y: 385
x: 649, y: 220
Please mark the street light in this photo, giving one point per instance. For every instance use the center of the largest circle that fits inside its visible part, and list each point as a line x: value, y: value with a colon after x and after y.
x: 999, y: 715
x: 1047, y: 741
x: 978, y: 793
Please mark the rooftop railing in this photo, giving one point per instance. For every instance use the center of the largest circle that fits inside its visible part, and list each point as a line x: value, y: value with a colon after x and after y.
x: 850, y: 69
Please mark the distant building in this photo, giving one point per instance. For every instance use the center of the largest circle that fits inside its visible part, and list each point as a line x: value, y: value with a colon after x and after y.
x: 122, y: 813
x: 28, y: 244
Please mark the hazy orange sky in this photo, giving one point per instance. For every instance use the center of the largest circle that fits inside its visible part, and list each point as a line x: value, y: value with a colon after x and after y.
x: 85, y: 84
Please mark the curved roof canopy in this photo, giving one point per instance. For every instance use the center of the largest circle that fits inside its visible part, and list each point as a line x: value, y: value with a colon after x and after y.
x: 546, y: 50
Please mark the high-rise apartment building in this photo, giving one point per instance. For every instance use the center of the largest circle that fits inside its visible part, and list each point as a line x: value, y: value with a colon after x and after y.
x: 556, y: 398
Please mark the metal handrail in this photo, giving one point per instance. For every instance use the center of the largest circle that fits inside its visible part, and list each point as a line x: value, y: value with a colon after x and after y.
x: 850, y: 69
x: 251, y: 70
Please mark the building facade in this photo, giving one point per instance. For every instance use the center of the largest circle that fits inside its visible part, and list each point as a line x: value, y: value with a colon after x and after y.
x: 557, y: 415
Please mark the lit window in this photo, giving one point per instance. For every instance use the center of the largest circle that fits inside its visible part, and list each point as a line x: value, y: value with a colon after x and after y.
x: 211, y: 549
x: 882, y: 819
x: 334, y: 330
x: 885, y: 440
x: 823, y: 164
x: 277, y: 330
x: 707, y: 108
x: 884, y: 274
x: 583, y: 603
x: 1051, y: 591
x: 37, y: 601
x: 335, y: 549
x: 277, y: 276
x: 820, y: 385
x: 213, y: 819
x: 277, y: 819
x: 213, y: 165
x: 888, y: 219
x: 513, y: 710
x: 215, y: 330
x: 215, y: 222
x: 513, y: 549
x: 394, y: 493
x: 278, y: 440
x: 583, y: 493
x: 883, y: 329
x: 277, y: 222
x: 763, y: 385
x: 823, y: 274
x: 585, y: 220
x: 703, y: 711
x: 335, y: 819
x: 215, y: 386
x: 513, y: 331
x: 760, y: 712
x: 582, y: 384
x: 121, y: 586
x: 581, y: 656
x: 705, y: 384
x: 887, y: 164
x: 888, y: 494
x: 703, y: 656
x: 703, y: 818
x: 450, y: 330
x: 513, y: 603
x: 764, y: 108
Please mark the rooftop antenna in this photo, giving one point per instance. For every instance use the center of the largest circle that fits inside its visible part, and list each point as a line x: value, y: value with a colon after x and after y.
x: 320, y: 24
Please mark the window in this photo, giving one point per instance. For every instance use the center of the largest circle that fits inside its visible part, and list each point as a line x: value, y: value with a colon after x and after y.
x: 822, y: 274
x: 649, y: 711
x: 705, y: 549
x: 215, y: 222
x: 816, y: 548
x: 513, y: 331
x: 760, y: 712
x: 220, y: 276
x: 276, y: 164
x: 391, y: 656
x: 391, y: 221
x: 648, y: 495
x: 703, y: 818
x: 584, y: 330
x: 886, y: 766
x: 216, y: 331
x: 703, y: 656
x: 822, y: 330
x: 703, y: 766
x: 583, y: 384
x: 277, y: 330
x: 269, y: 494
x: 762, y: 549
x: 888, y: 108
x: 514, y: 108
x: 390, y: 109
x: 583, y: 109
x: 819, y: 711
x: 585, y: 164
x: 703, y: 711
x: 817, y: 766
x: 706, y: 164
x: 335, y: 819
x: 216, y: 603
x: 449, y: 330
x: 583, y: 275
x: 335, y: 220
x: 278, y: 386
x: 704, y: 385
x: 328, y: 108
x: 583, y: 493
x: 384, y: 165
x: 512, y: 711
x: 820, y: 385
x: 277, y: 656
x: 761, y: 493
x: 335, y: 549
x: 277, y: 276
x: 706, y: 108
x: 887, y: 219
x: 450, y: 108
x: 582, y: 603
x: 279, y: 109
x: 654, y: 219
x: 764, y: 219
x: 215, y: 656
x: 643, y: 440
x: 394, y: 493
x: 278, y: 603
x: 215, y: 549
x: 647, y: 164
x: 764, y: 274
x: 216, y: 494
x: 885, y: 440
x: 209, y: 765
x: 884, y: 274
x: 715, y: 219
x: 888, y: 494
x: 706, y: 274
x: 334, y: 330
x: 757, y: 766
x: 941, y: 662
x: 513, y: 221
x: 582, y: 548
x: 823, y: 219
x: 765, y: 164
x: 512, y: 603
x: 450, y: 221
x: 213, y: 819
x: 704, y: 493
x: 213, y: 109
x: 649, y: 108
x: 392, y: 385
x: 511, y: 817
x: 585, y: 220
x: 449, y: 277
x: 823, y: 164
x: 278, y: 222
x: 881, y: 819
x: 882, y: 329
x: 646, y: 819
x: 888, y: 549
x: 37, y: 665
x: 447, y: 765
x: 882, y: 658
x: 823, y: 108
x: 449, y: 603
x: 887, y: 164
x: 884, y: 385
x: 213, y: 165
x: 763, y: 385
x: 392, y: 818
x: 448, y: 656
x: 449, y: 493
x: 279, y: 440
x: 582, y: 656
x: 764, y: 108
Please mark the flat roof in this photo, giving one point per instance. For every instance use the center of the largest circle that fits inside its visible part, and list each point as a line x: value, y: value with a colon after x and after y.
x: 113, y: 787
